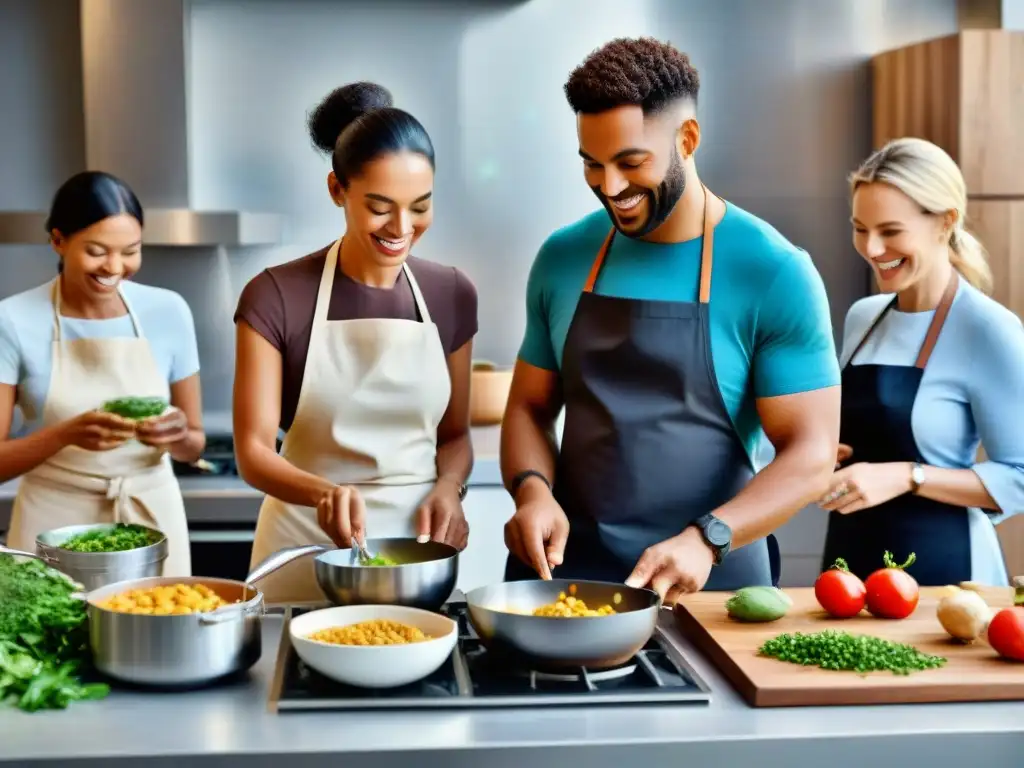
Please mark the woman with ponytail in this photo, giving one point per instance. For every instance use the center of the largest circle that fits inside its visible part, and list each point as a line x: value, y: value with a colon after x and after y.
x: 932, y: 368
x: 361, y: 353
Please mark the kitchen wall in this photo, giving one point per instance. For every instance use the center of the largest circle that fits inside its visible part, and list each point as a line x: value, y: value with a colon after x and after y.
x: 785, y: 110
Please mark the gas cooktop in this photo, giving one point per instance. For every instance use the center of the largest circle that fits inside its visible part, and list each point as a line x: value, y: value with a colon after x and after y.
x: 658, y: 674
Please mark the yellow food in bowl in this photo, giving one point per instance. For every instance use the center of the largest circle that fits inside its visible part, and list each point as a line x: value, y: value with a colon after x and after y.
x: 568, y: 607
x: 166, y: 600
x: 375, y: 632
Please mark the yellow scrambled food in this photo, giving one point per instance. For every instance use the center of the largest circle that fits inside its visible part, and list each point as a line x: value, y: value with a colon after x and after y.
x: 569, y: 607
x: 168, y: 600
x: 375, y: 632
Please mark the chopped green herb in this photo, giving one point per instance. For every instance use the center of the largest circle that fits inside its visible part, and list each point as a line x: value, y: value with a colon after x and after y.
x: 832, y: 649
x: 120, y: 538
x: 136, y: 407
x: 380, y: 560
x: 43, y: 638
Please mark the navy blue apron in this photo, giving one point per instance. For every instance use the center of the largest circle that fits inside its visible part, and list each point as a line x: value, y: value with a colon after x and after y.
x: 648, y: 444
x: 878, y: 401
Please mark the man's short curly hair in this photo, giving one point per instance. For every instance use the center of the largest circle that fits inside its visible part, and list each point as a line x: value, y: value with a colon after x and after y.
x: 632, y: 71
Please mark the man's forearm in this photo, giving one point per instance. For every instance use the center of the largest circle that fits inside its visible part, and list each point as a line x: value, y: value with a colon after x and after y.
x: 798, y: 475
x: 527, y: 443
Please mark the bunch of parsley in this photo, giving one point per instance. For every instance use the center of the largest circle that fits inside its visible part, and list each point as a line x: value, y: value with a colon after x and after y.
x: 44, y: 638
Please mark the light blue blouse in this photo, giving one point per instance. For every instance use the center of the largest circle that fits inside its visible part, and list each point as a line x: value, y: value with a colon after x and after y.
x: 972, y: 392
x: 26, y: 338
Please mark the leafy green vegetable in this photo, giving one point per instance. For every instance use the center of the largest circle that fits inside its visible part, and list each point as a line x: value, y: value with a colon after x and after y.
x: 43, y: 638
x: 833, y: 649
x: 136, y: 407
x: 118, y: 539
x: 380, y: 560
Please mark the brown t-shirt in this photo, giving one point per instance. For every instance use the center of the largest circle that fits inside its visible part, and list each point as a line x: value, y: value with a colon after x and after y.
x: 279, y: 303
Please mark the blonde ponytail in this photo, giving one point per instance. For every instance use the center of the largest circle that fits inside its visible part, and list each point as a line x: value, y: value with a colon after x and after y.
x: 969, y: 258
x: 926, y: 174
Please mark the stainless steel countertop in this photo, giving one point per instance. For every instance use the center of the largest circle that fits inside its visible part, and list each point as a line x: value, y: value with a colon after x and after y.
x: 231, y: 726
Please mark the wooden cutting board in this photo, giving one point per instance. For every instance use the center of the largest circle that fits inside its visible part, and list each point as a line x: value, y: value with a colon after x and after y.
x: 972, y: 672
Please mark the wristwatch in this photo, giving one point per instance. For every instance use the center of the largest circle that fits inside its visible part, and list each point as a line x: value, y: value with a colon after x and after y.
x: 916, y: 477
x: 717, y: 534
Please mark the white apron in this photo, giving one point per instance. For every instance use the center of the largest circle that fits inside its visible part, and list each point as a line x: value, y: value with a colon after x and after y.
x: 373, y: 393
x: 132, y: 483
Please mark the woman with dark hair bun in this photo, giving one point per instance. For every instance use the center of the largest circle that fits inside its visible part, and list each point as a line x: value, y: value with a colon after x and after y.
x: 87, y: 337
x: 361, y: 353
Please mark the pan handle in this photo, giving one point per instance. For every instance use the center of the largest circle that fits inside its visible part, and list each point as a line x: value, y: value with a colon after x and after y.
x: 280, y: 559
x: 233, y: 612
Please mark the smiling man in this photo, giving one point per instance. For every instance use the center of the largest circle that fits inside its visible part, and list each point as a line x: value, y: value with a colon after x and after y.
x: 673, y: 327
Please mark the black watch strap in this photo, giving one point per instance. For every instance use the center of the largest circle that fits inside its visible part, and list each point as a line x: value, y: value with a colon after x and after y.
x: 522, y: 477
x: 717, y: 534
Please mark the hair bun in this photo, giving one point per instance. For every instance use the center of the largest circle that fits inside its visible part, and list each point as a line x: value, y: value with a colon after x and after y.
x: 340, y: 107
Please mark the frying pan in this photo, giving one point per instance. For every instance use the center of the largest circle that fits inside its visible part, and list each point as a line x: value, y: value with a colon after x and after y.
x: 501, y: 615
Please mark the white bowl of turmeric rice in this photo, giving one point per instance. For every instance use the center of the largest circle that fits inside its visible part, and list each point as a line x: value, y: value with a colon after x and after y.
x: 373, y: 646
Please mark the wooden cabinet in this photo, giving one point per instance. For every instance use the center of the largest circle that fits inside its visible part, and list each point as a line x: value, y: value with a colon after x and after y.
x: 999, y: 224
x: 966, y: 94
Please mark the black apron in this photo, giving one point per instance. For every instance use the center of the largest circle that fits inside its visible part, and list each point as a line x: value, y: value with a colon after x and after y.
x: 648, y: 445
x: 878, y: 401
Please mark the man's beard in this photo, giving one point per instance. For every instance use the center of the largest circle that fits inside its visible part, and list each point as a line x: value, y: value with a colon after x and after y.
x: 660, y: 201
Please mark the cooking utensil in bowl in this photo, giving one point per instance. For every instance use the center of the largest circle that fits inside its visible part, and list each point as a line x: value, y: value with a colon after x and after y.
x: 374, y: 666
x: 424, y: 578
x: 97, y: 569
x: 502, y: 617
x: 179, y: 651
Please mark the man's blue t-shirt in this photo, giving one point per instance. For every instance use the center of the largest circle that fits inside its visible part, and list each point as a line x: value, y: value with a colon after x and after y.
x: 771, y: 332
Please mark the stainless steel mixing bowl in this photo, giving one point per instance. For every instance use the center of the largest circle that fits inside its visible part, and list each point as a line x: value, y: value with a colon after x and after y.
x: 424, y: 578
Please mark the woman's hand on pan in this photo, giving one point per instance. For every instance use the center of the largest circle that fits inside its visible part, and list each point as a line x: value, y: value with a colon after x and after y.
x: 440, y: 517
x: 98, y: 430
x: 538, y: 531
x: 341, y: 514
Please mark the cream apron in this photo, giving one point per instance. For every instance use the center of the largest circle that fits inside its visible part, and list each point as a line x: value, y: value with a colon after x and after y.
x: 132, y: 483
x: 373, y: 393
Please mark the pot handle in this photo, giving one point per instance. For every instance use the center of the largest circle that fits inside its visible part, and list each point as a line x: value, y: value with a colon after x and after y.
x: 280, y: 559
x: 51, y: 561
x: 233, y: 612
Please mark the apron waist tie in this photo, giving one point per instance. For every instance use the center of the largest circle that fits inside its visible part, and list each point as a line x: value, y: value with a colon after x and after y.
x: 119, y: 489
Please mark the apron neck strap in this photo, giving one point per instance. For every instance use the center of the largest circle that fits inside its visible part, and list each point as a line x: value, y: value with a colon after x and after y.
x: 934, y: 329
x: 707, y: 250
x: 55, y: 300
x: 417, y: 295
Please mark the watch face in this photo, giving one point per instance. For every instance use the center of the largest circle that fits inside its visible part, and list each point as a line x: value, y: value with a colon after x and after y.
x: 719, y: 533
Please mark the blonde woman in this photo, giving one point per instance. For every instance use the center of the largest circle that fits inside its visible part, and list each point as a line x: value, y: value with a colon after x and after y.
x: 931, y: 367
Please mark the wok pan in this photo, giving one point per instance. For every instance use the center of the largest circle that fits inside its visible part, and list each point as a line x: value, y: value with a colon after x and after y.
x: 500, y: 613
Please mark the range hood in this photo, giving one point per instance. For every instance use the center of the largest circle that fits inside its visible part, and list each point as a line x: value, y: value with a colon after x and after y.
x: 135, y: 70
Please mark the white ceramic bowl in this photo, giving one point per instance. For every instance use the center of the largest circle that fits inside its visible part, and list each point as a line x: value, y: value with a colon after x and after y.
x: 374, y: 666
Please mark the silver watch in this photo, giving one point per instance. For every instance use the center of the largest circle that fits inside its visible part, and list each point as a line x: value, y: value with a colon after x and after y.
x: 916, y: 477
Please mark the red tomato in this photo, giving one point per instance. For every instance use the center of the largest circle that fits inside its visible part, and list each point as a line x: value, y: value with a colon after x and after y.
x: 840, y: 592
x: 892, y: 592
x: 1006, y: 633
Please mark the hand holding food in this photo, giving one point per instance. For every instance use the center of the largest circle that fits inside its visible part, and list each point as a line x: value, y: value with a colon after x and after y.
x: 341, y: 514
x: 537, y: 533
x: 675, y: 567
x: 98, y: 431
x: 840, y: 592
x: 162, y: 431
x: 440, y: 517
x: 758, y: 604
x: 892, y: 593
